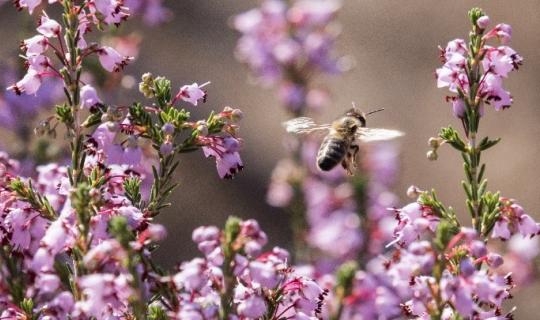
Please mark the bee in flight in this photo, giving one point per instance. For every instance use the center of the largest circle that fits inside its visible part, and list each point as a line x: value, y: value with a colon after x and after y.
x: 340, y: 145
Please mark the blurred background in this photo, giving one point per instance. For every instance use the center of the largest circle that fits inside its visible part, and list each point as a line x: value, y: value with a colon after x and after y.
x: 395, y: 51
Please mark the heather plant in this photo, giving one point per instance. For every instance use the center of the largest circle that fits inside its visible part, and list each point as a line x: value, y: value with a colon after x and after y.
x: 77, y: 239
x: 450, y: 269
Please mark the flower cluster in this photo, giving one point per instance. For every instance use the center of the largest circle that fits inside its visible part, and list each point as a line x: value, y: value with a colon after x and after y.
x: 53, y: 40
x: 237, y: 280
x: 463, y: 288
x: 487, y: 64
x: 439, y: 268
x: 284, y: 43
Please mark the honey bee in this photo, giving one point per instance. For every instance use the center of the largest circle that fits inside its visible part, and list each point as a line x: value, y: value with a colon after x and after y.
x: 340, y: 145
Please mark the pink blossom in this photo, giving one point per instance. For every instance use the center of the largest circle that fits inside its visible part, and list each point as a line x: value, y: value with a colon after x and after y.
x: 458, y: 108
x: 106, y: 295
x: 225, y: 151
x: 39, y: 63
x: 108, y: 11
x: 29, y: 4
x: 49, y: 27
x: 35, y: 45
x: 502, y: 31
x: 89, y: 97
x: 29, y: 84
x: 250, y: 304
x: 501, y: 60
x: 482, y: 22
x: 192, y: 93
x: 111, y: 60
x: 192, y: 275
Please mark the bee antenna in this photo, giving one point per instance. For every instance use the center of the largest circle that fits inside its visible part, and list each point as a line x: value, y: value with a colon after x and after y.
x: 374, y: 111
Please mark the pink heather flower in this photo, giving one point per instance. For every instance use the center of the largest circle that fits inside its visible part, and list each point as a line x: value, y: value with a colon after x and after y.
x: 225, y: 151
x: 35, y: 45
x: 264, y: 273
x: 47, y: 282
x: 483, y: 22
x: 452, y: 78
x: 156, y: 232
x: 494, y: 260
x: 502, y: 31
x: 458, y: 108
x: 192, y: 275
x: 49, y: 27
x: 492, y: 89
x: 513, y: 219
x: 458, y: 46
x: 413, y: 221
x: 89, y: 97
x: 111, y: 60
x: 106, y: 295
x: 133, y: 215
x: 250, y: 304
x: 83, y: 28
x: 108, y: 11
x: 525, y: 247
x: 501, y: 60
x: 39, y: 63
x: 29, y: 84
x: 203, y: 233
x: 30, y: 4
x: 108, y: 251
x: 501, y: 230
x: 192, y: 93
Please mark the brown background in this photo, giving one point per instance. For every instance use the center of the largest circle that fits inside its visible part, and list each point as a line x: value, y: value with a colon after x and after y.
x: 394, y: 44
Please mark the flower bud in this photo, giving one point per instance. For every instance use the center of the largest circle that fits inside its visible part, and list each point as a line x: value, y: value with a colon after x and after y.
x: 466, y: 267
x: 478, y: 249
x: 157, y: 232
x: 458, y: 108
x: 494, y: 260
x: 202, y: 127
x: 434, y: 142
x: 145, y: 87
x: 482, y: 22
x: 166, y: 148
x: 168, y: 128
x: 432, y: 155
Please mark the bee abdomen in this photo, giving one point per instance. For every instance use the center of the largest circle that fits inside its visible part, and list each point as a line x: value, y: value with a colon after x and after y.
x: 331, y: 153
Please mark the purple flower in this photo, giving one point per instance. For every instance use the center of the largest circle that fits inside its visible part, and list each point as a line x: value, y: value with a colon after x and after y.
x: 111, y: 60
x: 89, y: 97
x: 192, y: 93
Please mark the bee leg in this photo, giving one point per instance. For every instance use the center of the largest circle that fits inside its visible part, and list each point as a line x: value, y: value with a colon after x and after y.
x: 348, y: 162
x: 353, y: 152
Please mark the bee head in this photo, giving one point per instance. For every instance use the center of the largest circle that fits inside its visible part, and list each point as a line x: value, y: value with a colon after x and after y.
x: 355, y: 113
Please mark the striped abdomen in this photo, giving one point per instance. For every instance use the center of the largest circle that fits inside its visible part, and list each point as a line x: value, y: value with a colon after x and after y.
x: 331, y: 152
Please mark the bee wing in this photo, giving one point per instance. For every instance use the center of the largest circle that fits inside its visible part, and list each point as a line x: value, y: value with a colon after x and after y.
x: 304, y: 125
x: 375, y: 134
